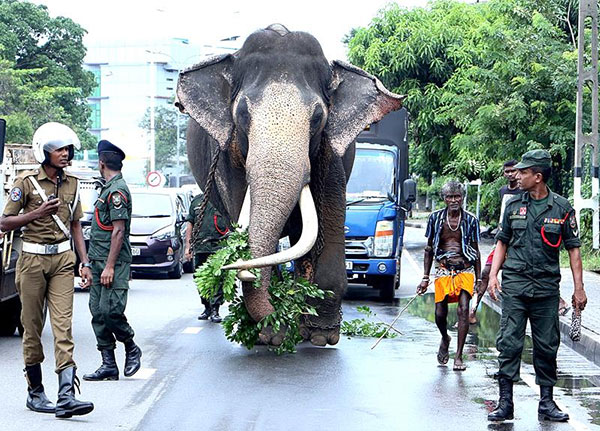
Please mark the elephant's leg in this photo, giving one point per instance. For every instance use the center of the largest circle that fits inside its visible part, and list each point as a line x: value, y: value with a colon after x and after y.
x: 330, y: 269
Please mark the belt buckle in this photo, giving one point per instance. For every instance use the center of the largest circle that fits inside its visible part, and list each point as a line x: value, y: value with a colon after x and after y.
x: 51, y: 248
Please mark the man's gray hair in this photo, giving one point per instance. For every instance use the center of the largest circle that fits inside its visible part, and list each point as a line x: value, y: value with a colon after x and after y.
x: 453, y: 188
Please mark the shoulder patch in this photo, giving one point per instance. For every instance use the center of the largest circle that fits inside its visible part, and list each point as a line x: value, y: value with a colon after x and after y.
x: 116, y: 200
x: 16, y: 194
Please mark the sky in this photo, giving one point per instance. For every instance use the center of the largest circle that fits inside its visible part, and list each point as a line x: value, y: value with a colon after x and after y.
x: 208, y: 21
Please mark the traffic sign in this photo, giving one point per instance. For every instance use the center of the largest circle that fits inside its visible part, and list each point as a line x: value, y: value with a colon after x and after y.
x: 154, y: 179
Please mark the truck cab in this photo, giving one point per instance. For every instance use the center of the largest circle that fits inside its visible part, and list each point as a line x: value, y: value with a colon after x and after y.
x: 379, y: 195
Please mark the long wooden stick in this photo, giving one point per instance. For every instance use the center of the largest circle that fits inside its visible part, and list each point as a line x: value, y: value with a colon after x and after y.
x: 395, y: 320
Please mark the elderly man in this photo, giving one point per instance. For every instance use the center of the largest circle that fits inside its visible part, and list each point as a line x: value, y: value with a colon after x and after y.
x: 534, y: 226
x: 453, y: 242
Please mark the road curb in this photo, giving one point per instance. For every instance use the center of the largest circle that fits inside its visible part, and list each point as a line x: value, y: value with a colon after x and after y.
x: 588, y: 346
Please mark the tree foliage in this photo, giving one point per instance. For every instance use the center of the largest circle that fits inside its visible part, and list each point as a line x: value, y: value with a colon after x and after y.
x: 165, y: 130
x: 41, y: 73
x: 485, y: 83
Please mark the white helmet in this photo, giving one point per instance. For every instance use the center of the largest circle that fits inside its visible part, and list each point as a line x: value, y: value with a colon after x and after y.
x: 53, y: 136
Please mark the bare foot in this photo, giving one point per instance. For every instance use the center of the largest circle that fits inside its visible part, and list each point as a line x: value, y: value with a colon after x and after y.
x: 443, y: 355
x: 472, y: 317
x: 458, y: 364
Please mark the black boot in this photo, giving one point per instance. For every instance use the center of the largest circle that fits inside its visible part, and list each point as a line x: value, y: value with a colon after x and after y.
x: 205, y: 314
x: 67, y: 405
x: 36, y: 397
x: 214, y: 314
x: 107, y: 371
x: 505, y: 409
x: 547, y: 409
x: 133, y: 358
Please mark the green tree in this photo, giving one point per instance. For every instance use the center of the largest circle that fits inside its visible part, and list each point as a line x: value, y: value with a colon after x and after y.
x: 165, y: 130
x: 485, y: 83
x: 41, y: 73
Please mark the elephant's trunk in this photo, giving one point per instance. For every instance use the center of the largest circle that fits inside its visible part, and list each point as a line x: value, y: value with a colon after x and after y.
x: 277, y: 169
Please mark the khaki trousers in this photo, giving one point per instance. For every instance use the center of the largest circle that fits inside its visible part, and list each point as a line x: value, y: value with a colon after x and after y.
x: 47, y: 279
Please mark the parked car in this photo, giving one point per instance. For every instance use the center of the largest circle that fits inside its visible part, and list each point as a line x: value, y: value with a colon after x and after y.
x: 156, y: 231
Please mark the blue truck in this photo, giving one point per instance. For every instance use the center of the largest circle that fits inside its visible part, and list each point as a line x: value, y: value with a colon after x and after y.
x: 379, y: 196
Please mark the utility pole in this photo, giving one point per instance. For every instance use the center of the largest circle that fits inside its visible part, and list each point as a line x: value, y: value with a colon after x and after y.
x: 587, y: 76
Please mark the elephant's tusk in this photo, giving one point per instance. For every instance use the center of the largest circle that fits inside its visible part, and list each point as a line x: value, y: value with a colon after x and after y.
x: 244, y: 218
x: 310, y: 230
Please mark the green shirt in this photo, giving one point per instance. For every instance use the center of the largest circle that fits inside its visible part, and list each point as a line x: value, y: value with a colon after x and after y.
x: 114, y: 203
x: 214, y: 226
x: 534, y: 233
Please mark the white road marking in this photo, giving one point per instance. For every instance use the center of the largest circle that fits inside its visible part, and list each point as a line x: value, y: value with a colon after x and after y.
x: 192, y: 330
x: 412, y: 261
x: 144, y: 373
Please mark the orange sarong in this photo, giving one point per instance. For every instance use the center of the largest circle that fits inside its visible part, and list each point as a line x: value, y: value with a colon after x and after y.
x: 451, y: 285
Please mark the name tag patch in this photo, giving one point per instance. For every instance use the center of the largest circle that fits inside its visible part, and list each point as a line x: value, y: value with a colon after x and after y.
x: 517, y: 217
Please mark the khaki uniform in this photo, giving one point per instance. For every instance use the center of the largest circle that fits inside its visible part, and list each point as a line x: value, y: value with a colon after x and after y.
x: 45, y: 277
x: 107, y: 305
x: 530, y: 281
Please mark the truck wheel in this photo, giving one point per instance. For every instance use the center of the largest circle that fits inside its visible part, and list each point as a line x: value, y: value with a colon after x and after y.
x: 386, y: 287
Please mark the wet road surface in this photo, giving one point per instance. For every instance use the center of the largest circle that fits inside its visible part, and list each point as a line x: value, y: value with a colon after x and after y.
x: 193, y: 378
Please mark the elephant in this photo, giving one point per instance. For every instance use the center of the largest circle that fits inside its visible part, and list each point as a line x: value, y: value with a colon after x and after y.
x: 277, y: 122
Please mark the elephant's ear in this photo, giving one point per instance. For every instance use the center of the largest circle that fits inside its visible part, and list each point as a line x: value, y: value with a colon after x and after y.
x: 357, y: 100
x: 204, y: 92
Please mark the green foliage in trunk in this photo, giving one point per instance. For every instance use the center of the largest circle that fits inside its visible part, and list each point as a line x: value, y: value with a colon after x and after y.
x: 288, y: 297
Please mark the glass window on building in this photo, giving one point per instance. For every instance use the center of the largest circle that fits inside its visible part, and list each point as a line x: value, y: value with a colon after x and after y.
x: 97, y: 77
x: 96, y: 116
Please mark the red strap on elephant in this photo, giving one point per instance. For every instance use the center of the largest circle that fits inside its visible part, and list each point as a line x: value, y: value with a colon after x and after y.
x: 217, y: 226
x: 559, y: 238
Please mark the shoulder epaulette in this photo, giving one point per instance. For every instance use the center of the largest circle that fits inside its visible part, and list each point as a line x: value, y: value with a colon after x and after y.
x: 30, y: 173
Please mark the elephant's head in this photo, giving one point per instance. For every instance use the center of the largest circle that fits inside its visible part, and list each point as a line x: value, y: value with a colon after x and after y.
x: 275, y: 103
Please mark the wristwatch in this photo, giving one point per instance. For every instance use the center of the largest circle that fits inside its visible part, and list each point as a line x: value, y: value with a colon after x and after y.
x: 86, y: 265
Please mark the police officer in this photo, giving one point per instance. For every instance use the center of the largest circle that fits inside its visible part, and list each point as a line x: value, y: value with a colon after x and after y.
x: 110, y: 255
x: 214, y: 227
x: 534, y: 226
x: 45, y: 203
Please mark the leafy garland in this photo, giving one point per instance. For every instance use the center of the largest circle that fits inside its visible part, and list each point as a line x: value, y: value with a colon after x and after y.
x: 364, y: 328
x: 288, y: 297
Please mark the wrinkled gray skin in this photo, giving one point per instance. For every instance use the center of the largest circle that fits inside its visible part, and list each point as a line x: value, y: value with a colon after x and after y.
x: 271, y: 107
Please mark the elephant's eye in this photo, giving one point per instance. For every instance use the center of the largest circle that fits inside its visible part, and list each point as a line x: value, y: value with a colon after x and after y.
x: 317, y: 120
x: 242, y: 115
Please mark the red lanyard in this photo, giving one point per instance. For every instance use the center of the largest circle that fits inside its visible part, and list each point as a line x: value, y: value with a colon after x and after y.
x: 217, y: 226
x: 559, y: 238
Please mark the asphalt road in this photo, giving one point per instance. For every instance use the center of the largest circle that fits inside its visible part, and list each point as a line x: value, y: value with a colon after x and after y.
x: 193, y: 378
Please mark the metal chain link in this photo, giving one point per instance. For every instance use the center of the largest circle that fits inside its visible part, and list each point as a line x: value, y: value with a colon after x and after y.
x: 205, y: 198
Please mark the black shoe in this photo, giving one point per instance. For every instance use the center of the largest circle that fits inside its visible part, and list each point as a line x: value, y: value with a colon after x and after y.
x: 36, y: 397
x: 133, y: 358
x: 505, y: 409
x: 205, y: 314
x: 547, y: 409
x: 107, y: 371
x: 67, y: 405
x: 214, y: 315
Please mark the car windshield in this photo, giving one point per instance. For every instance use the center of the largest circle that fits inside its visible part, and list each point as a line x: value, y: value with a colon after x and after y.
x: 151, y: 205
x: 372, y: 176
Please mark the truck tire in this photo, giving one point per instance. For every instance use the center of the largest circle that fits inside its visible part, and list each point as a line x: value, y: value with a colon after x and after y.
x: 10, y: 317
x: 386, y: 287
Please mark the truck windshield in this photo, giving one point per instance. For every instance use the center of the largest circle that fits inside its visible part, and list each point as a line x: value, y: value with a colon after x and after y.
x: 372, y: 175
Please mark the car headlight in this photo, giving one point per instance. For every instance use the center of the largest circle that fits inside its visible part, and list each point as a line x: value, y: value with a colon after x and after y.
x: 384, y: 239
x: 164, y: 233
